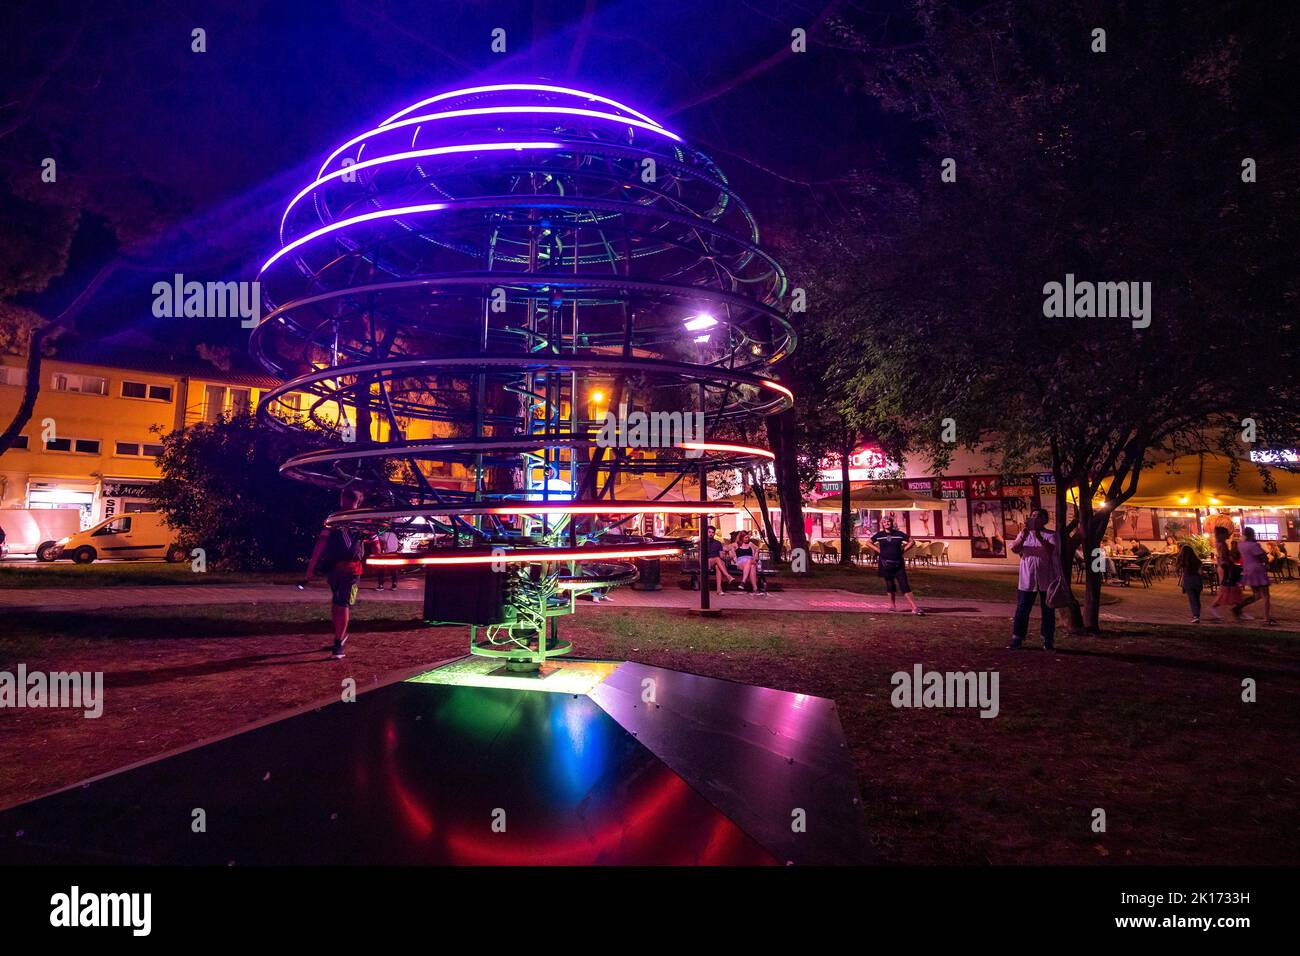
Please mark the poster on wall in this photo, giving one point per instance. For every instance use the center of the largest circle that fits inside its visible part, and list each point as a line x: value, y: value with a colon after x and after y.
x: 954, y: 521
x: 1176, y: 524
x: 1017, y: 502
x: 1133, y: 524
x: 877, y: 521
x: 986, y: 530
x: 986, y: 488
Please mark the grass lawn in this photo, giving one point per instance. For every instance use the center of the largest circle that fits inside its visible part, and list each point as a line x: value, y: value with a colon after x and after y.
x: 972, y: 584
x: 65, y: 574
x: 1147, y: 723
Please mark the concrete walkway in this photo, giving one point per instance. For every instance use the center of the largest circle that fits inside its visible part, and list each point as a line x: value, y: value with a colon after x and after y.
x: 1160, y: 604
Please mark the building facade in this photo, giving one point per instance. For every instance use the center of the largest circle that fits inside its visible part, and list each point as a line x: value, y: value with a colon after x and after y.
x: 96, y: 431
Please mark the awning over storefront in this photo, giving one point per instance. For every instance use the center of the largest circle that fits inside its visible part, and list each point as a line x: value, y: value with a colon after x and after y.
x: 1201, y: 481
x: 882, y: 497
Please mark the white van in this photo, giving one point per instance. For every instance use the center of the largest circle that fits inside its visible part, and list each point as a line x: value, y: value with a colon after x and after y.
x: 37, y: 530
x: 139, y: 534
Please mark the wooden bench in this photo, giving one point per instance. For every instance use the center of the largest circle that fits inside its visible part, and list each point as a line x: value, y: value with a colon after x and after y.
x: 690, y: 579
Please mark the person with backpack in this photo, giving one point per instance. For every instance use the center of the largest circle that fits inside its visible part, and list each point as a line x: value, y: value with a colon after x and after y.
x: 339, y: 554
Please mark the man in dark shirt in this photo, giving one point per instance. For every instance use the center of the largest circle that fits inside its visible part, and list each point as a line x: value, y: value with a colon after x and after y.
x: 1140, y: 550
x: 713, y: 548
x: 890, y: 543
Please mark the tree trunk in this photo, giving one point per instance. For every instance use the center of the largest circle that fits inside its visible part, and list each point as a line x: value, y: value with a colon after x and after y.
x: 846, y: 531
x: 769, y: 532
x: 1092, y: 527
x: 1068, y: 538
x: 780, y: 435
x: 31, y: 387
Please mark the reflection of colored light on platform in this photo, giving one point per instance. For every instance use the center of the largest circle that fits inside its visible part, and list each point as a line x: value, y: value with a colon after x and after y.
x: 415, y: 813
x: 612, y: 508
x: 641, y: 822
x: 524, y: 557
x: 410, y: 154
x: 581, y: 739
x: 523, y: 87
x: 716, y: 446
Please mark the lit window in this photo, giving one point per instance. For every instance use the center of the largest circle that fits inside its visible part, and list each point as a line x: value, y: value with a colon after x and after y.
x: 240, y: 402
x: 86, y: 384
x: 11, y: 375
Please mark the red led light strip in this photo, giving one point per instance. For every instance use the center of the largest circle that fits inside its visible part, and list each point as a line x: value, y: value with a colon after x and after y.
x: 525, y: 556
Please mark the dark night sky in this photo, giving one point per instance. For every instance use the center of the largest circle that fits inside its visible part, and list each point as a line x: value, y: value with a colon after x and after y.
x: 215, y: 143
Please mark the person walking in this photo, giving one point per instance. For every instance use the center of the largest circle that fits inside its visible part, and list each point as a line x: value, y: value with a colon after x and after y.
x: 387, y: 545
x: 891, y: 544
x: 1037, y: 545
x: 1229, y: 570
x: 1254, y: 572
x: 339, y: 554
x: 1190, y: 580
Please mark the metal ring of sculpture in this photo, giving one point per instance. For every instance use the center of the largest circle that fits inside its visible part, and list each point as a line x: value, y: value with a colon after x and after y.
x: 454, y: 284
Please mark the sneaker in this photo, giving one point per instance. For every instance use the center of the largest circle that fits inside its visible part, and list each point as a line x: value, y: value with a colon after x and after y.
x: 392, y: 587
x: 338, y: 649
x: 1246, y: 617
x: 1015, y: 644
x: 1049, y: 645
x: 1196, y: 620
x: 919, y: 613
x: 379, y: 587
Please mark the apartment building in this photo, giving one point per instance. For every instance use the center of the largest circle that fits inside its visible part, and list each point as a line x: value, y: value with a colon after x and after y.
x: 97, y: 427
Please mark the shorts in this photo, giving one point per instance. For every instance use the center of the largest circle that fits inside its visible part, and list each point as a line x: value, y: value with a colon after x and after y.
x: 343, y: 587
x: 896, y: 580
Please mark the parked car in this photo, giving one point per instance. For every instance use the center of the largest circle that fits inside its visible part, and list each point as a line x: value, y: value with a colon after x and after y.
x: 140, y: 534
x: 37, y: 530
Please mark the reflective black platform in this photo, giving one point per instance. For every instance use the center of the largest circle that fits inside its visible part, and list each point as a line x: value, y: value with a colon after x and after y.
x: 425, y: 772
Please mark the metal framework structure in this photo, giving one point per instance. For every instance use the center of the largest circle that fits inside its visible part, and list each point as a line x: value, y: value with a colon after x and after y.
x: 470, y: 287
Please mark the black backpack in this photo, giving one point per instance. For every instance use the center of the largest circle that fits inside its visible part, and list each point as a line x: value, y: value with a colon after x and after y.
x: 342, y: 546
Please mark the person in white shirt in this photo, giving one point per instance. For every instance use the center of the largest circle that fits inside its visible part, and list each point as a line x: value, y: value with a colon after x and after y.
x: 1040, y: 565
x: 388, y: 544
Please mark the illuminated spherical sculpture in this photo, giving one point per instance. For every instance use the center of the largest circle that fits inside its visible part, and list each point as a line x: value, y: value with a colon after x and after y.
x: 469, y: 288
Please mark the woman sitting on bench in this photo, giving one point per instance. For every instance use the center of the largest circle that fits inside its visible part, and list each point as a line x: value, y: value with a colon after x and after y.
x: 748, y: 561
